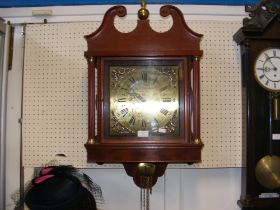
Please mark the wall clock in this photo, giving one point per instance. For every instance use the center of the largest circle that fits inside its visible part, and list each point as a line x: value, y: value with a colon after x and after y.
x: 259, y: 39
x: 144, y: 95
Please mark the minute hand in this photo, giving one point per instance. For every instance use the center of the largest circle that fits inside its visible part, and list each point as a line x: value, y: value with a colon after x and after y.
x: 138, y: 96
x: 274, y: 67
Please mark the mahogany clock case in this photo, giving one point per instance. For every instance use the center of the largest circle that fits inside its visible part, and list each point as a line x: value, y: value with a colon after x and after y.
x: 121, y: 147
x: 106, y: 47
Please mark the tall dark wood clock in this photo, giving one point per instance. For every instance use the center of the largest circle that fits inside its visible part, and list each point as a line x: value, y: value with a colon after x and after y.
x: 144, y: 95
x: 259, y: 39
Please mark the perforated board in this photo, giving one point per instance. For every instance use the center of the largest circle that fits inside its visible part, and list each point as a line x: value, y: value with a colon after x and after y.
x: 55, y: 92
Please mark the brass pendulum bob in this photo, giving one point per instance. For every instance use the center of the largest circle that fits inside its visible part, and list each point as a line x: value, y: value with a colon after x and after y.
x: 267, y: 170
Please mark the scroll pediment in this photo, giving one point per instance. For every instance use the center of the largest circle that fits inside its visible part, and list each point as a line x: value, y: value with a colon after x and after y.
x: 179, y: 40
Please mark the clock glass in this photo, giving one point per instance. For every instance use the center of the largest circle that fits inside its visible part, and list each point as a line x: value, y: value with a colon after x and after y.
x: 144, y: 98
x: 267, y: 69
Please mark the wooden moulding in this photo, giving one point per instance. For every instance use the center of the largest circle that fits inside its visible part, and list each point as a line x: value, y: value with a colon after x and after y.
x: 123, y: 153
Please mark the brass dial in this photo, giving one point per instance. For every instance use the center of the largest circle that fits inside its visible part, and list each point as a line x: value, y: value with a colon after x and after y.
x: 144, y: 100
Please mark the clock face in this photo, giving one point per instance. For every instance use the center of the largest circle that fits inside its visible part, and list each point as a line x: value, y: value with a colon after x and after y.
x: 267, y: 69
x: 144, y: 98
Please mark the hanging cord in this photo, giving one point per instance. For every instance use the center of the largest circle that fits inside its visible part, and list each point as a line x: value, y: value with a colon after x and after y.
x: 145, y: 192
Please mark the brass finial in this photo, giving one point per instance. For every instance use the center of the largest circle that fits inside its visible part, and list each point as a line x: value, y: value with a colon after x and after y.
x: 143, y: 13
x: 196, y: 58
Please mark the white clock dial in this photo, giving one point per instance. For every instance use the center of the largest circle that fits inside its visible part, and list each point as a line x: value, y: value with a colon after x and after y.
x: 267, y: 69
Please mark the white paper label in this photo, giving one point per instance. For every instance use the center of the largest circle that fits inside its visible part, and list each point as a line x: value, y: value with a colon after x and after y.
x: 269, y: 195
x: 143, y: 133
x: 276, y: 136
x: 162, y: 130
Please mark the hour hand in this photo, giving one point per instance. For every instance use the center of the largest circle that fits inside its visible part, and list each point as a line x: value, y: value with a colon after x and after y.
x: 138, y: 96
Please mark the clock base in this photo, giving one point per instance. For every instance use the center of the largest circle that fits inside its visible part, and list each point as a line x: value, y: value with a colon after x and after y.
x: 137, y: 153
x: 259, y: 203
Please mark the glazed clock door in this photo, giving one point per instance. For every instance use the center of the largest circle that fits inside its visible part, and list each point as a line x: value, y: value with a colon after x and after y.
x: 142, y: 98
x: 267, y: 69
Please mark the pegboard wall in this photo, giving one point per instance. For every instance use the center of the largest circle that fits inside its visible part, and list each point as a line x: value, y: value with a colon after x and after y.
x: 55, y: 92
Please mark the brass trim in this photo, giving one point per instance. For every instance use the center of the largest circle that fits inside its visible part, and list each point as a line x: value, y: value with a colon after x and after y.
x: 197, y: 141
x: 91, y: 141
x: 196, y: 58
x: 276, y: 109
x: 267, y: 171
x: 91, y: 59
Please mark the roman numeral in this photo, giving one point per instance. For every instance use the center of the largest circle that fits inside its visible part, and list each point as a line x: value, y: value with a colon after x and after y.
x: 261, y: 69
x: 131, y: 79
x: 267, y: 82
x: 274, y: 53
x: 164, y: 111
x: 262, y: 76
x: 123, y: 112
x: 144, y: 124
x: 132, y: 120
x: 121, y: 99
x: 275, y: 84
x: 163, y: 88
x: 124, y: 89
x: 166, y: 99
x: 144, y: 76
